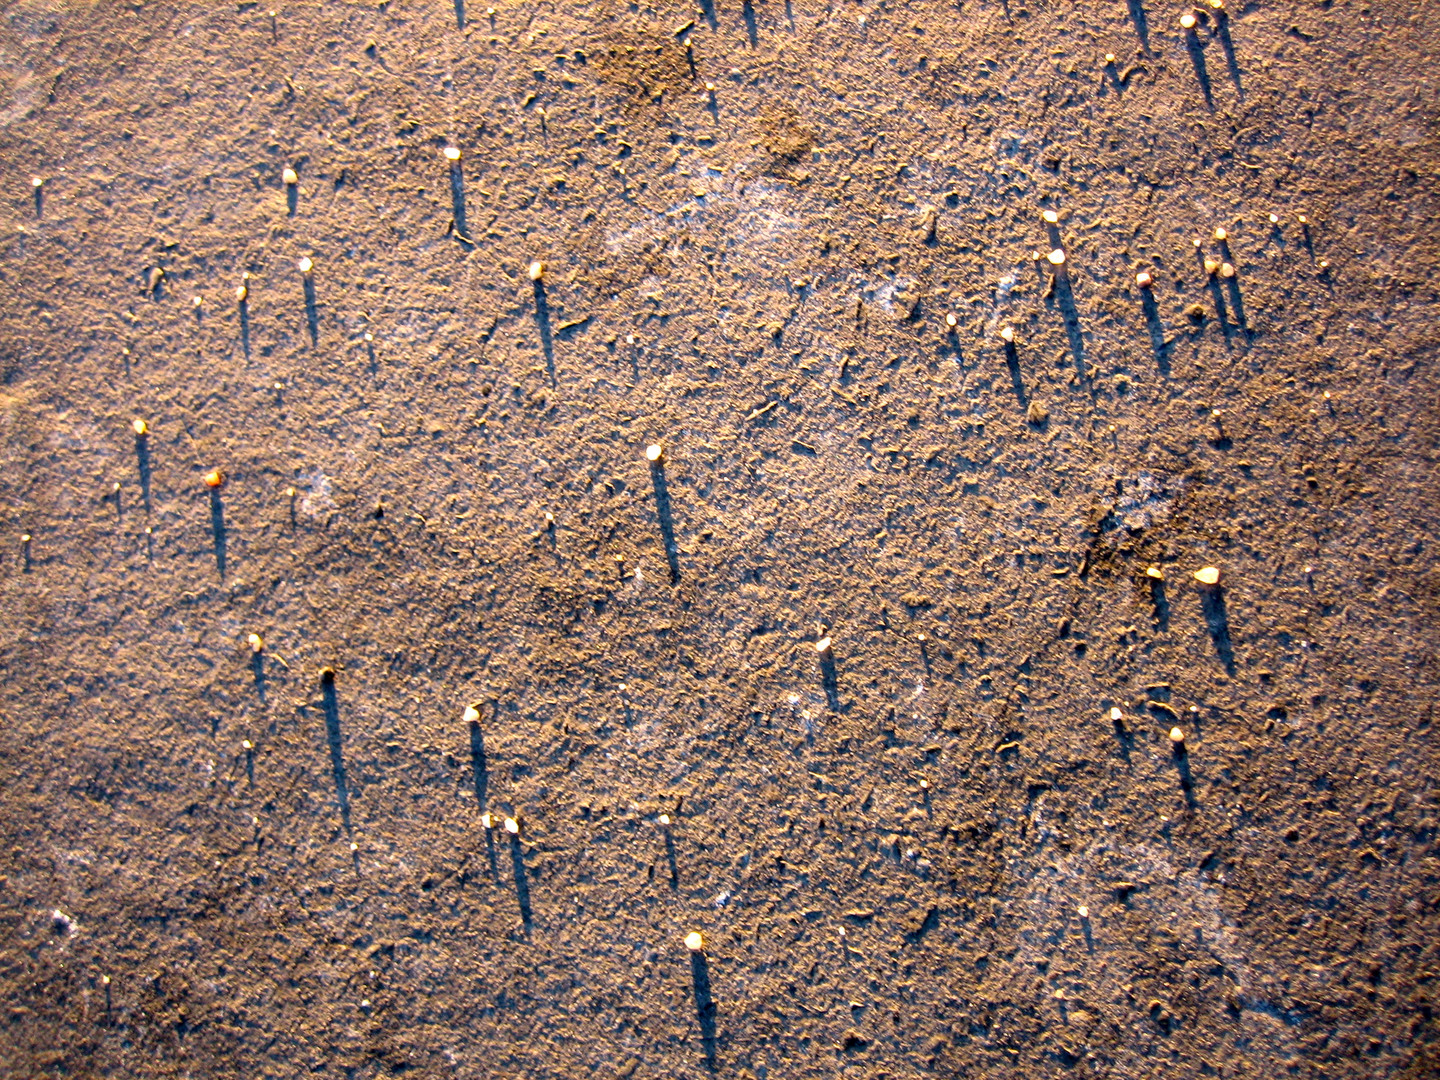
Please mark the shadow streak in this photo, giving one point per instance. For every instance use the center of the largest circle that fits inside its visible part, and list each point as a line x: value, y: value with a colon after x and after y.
x: 667, y: 522
x: 674, y: 863
x: 477, y: 761
x: 460, y: 14
x: 1187, y: 781
x: 830, y: 678
x: 1232, y: 63
x: 748, y: 10
x: 1217, y: 620
x: 1124, y: 737
x: 522, y: 884
x: 542, y: 319
x: 142, y: 463
x: 257, y: 669
x: 1232, y: 286
x: 292, y: 198
x: 1221, y: 313
x: 1072, y: 322
x: 312, y: 316
x: 1157, y: 332
x: 1012, y: 361
x: 245, y: 328
x: 217, y: 528
x: 1160, y: 602
x: 332, y: 734
x: 457, y: 204
x: 704, y: 1003
x: 1142, y: 28
x: 1202, y: 73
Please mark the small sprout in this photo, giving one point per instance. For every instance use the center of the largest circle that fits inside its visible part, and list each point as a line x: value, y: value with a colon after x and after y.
x: 1274, y: 219
x: 665, y: 820
x: 1006, y: 334
x: 104, y: 980
x: 653, y: 452
x: 512, y: 826
x: 1155, y: 573
x: 823, y: 645
x: 951, y: 321
x: 1056, y: 257
x: 290, y: 493
x: 487, y: 819
x: 452, y: 153
x: 242, y: 293
x: 214, y: 478
x: 1221, y: 235
x: 37, y: 181
x: 354, y: 847
x: 924, y: 784
x: 248, y: 745
x: 1177, y: 736
x: 289, y: 177
x: 1109, y: 58
x: 1143, y: 279
x: 1227, y: 270
x: 1303, y: 220
x: 257, y: 645
x: 198, y: 301
x: 695, y: 941
x: 472, y: 714
x: 710, y: 87
x: 1208, y: 575
x: 536, y: 270
x: 1212, y: 266
x: 306, y: 265
x: 141, y: 427
x: 1187, y: 21
x: 1083, y: 911
x: 1115, y: 713
x: 1050, y: 217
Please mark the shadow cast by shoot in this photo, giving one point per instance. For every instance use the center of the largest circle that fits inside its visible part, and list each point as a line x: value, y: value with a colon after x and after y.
x: 460, y: 14
x: 1017, y: 382
x: 667, y: 521
x: 829, y: 677
x: 245, y: 327
x: 1071, y: 317
x: 1202, y: 73
x: 1142, y: 28
x: 257, y: 669
x: 542, y: 320
x: 1157, y: 332
x: 457, y: 204
x: 477, y: 760
x: 1221, y: 313
x: 142, y: 462
x: 39, y: 200
x: 312, y: 314
x: 1182, y: 766
x: 331, y: 705
x: 707, y: 8
x: 674, y: 862
x: 1124, y: 737
x: 747, y: 9
x: 704, y: 1003
x: 1217, y: 621
x: 217, y: 528
x: 522, y: 883
x: 1232, y: 63
x: 1232, y: 286
x: 1160, y: 603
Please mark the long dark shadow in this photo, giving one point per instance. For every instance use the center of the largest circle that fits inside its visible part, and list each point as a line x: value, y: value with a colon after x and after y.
x: 217, y: 528
x: 708, y: 8
x: 1218, y: 299
x: 1157, y: 332
x: 522, y: 883
x: 542, y: 319
x: 257, y: 669
x: 674, y: 862
x: 1072, y: 323
x: 1217, y: 620
x: 457, y: 204
x: 1232, y: 286
x: 142, y: 464
x: 312, y: 315
x: 667, y: 522
x: 1222, y: 30
x: 1012, y: 361
x: 331, y: 705
x: 1124, y: 737
x: 1202, y: 73
x: 245, y: 328
x: 1160, y: 603
x: 704, y: 1003
x: 1187, y: 781
x: 1142, y: 28
x: 460, y: 14
x: 831, y: 680
x: 748, y: 10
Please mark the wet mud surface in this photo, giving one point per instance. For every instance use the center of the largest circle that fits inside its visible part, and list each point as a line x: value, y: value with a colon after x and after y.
x: 781, y: 242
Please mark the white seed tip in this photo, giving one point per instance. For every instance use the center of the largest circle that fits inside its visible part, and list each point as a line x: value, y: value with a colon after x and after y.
x: 1051, y: 217
x: 1006, y: 334
x: 823, y: 645
x: 951, y: 321
x: 1221, y: 234
x: 141, y: 427
x: 257, y: 643
x: 1274, y: 219
x: 289, y: 176
x: 1084, y: 911
x: 1155, y: 572
x: 472, y: 714
x: 104, y: 980
x: 695, y: 941
x: 24, y: 538
x: 354, y: 847
x: 664, y: 819
x: 1143, y: 279
x: 1115, y: 713
x: 306, y: 265
x: 1056, y: 257
x: 487, y: 819
x: 653, y: 452
x: 241, y: 292
x: 924, y: 785
x: 1176, y: 735
x: 1109, y: 58
x: 1227, y: 270
x: 1208, y: 575
x: 197, y: 301
x: 1303, y: 220
x: 452, y: 153
x: 1187, y: 21
x: 248, y: 745
x: 37, y: 181
x: 536, y: 270
x: 1212, y: 266
x: 512, y: 826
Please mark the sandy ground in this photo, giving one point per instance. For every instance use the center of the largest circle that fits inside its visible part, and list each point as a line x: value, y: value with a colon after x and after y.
x: 781, y: 241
